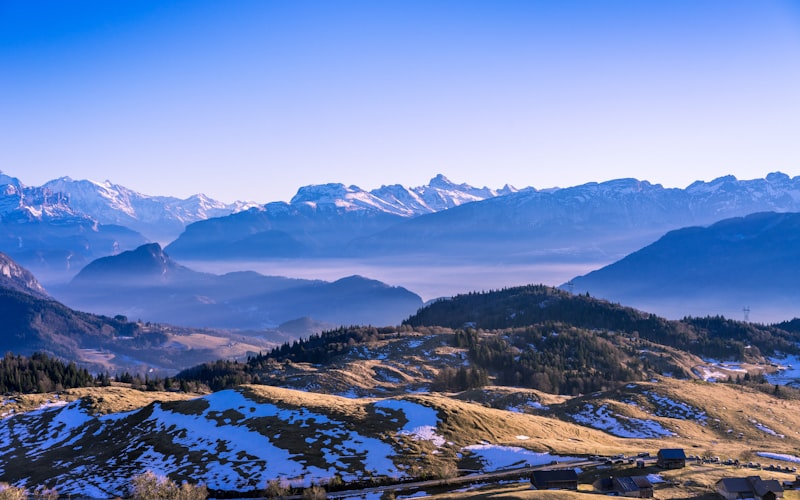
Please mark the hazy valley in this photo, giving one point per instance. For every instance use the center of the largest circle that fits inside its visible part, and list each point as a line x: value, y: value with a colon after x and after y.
x: 353, y: 339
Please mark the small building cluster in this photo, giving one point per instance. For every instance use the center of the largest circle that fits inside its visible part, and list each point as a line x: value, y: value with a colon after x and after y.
x: 629, y: 486
x: 752, y: 487
x: 732, y: 488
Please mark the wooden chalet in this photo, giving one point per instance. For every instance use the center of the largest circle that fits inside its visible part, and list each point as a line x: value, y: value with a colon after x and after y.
x: 633, y: 486
x: 732, y: 488
x: 557, y: 479
x: 671, y: 458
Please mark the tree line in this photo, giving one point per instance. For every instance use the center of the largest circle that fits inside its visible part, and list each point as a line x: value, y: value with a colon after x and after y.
x: 41, y: 373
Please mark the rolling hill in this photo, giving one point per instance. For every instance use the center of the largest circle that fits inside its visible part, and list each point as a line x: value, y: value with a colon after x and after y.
x: 91, y: 442
x: 146, y: 283
x: 32, y: 321
x: 751, y: 261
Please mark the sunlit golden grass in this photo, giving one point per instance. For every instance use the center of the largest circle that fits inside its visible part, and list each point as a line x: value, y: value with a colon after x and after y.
x: 115, y: 399
x: 730, y: 412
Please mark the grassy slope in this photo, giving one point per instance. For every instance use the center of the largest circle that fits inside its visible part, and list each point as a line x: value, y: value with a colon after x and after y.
x: 465, y: 423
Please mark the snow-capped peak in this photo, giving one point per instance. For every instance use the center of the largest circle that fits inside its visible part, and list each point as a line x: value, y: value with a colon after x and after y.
x: 439, y: 194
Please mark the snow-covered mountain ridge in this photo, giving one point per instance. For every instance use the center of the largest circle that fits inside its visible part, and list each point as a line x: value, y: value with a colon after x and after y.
x: 159, y: 218
x: 162, y: 218
x: 439, y: 194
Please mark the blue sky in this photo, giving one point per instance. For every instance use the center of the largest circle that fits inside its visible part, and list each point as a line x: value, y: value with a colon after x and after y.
x: 251, y: 99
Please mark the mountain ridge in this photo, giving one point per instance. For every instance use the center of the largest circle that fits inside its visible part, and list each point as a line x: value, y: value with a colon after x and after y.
x: 746, y: 262
x: 599, y: 221
x: 147, y: 283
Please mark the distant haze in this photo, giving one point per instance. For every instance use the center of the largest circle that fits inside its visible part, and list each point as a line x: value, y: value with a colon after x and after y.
x: 426, y: 279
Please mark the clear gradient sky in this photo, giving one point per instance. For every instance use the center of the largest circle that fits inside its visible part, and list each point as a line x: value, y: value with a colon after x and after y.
x: 251, y: 99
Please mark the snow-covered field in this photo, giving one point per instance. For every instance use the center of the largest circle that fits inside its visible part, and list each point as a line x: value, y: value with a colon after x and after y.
x: 496, y: 457
x: 619, y: 425
x: 667, y: 407
x: 225, y: 440
x: 718, y: 370
x: 234, y: 443
x: 788, y: 373
x: 763, y: 428
x: 421, y: 420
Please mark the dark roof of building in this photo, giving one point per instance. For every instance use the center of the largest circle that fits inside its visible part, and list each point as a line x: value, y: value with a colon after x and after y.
x: 626, y: 484
x: 751, y: 484
x: 761, y: 487
x: 632, y: 483
x: 672, y: 453
x: 736, y: 484
x: 546, y: 476
x: 604, y: 483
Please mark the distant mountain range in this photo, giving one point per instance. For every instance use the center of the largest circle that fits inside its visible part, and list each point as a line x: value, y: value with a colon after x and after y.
x: 738, y: 265
x: 146, y: 283
x: 158, y: 218
x: 599, y: 222
x: 57, y: 228
x: 41, y: 230
x: 64, y: 225
x: 322, y: 220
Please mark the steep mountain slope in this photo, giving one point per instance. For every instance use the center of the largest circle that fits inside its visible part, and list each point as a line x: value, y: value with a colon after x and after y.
x: 17, y: 278
x: 146, y: 283
x: 41, y: 230
x: 159, y: 218
x: 751, y: 261
x: 320, y: 220
x: 33, y: 322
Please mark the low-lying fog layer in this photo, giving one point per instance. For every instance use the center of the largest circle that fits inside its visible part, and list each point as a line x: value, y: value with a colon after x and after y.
x: 426, y: 279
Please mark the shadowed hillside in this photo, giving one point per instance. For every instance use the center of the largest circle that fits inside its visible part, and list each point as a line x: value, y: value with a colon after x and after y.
x: 751, y: 261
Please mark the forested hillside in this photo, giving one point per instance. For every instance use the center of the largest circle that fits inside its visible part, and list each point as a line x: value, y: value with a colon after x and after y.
x: 536, y: 337
x: 714, y: 337
x: 41, y: 373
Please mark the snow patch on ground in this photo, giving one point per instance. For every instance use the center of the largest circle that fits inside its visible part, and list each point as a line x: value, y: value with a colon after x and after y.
x: 788, y: 371
x: 717, y: 370
x: 495, y: 457
x: 421, y: 420
x: 620, y: 425
x: 666, y: 407
x: 779, y: 456
x: 537, y: 405
x: 764, y: 428
x: 234, y: 436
